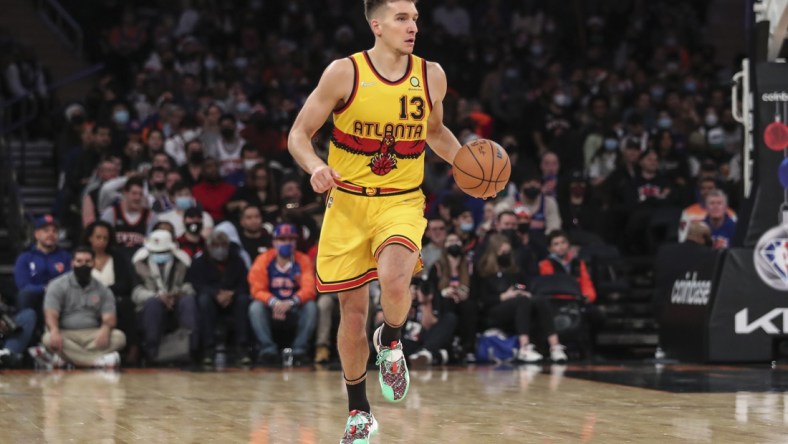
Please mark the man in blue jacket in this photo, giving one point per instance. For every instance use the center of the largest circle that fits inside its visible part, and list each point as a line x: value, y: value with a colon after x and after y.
x: 39, y: 265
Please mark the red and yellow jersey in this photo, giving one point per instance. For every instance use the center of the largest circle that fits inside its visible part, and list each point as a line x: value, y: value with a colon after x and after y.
x: 379, y: 134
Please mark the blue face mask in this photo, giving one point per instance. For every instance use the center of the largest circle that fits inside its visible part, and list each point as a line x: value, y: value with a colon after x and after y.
x: 121, y: 117
x: 161, y: 258
x: 466, y: 227
x: 285, y: 250
x: 665, y: 122
x: 611, y: 144
x: 183, y: 202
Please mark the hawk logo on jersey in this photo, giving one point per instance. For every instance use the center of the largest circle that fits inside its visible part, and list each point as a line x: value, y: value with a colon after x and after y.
x: 385, y: 152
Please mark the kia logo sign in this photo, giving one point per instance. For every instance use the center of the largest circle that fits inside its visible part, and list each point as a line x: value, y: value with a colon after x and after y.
x: 765, y: 322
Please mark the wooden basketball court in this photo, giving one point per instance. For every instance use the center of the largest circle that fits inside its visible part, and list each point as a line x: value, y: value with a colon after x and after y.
x: 548, y: 404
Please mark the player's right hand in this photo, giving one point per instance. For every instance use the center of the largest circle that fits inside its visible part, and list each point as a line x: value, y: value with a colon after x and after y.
x: 323, y: 178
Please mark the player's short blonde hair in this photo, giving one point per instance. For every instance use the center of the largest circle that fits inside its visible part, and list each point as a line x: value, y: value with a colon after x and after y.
x: 371, y: 5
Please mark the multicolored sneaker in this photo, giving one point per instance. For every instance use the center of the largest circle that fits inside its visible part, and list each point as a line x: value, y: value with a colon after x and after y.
x: 359, y: 428
x: 393, y: 377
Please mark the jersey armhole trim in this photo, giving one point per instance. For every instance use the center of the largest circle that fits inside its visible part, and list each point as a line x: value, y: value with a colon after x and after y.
x: 353, y: 91
x: 426, y: 82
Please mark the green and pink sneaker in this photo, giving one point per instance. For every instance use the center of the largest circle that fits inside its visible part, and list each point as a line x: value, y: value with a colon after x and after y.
x: 359, y: 428
x: 394, y: 378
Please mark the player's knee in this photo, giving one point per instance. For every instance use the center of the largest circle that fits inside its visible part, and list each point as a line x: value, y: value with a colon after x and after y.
x: 354, y: 323
x: 394, y: 281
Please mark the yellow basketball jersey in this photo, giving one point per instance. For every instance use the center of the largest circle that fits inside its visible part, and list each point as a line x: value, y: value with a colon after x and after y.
x: 379, y: 134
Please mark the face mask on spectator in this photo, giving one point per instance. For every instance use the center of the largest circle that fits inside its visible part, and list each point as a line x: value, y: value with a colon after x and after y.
x: 184, y: 202
x: 536, y: 50
x: 657, y: 92
x: 454, y: 250
x: 219, y: 253
x: 711, y: 119
x: 504, y: 260
x: 82, y: 273
x: 121, y: 117
x: 227, y: 133
x: 250, y: 163
x: 285, y: 250
x: 562, y: 100
x: 161, y: 258
x: 511, y: 235
x: 466, y: 227
x: 194, y: 227
x: 532, y: 192
x: 611, y: 144
x: 159, y: 186
x: 196, y: 157
x: 210, y: 64
x: 665, y: 122
x: 523, y: 227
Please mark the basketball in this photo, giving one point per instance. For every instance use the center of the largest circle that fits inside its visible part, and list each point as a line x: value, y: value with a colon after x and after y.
x: 482, y: 168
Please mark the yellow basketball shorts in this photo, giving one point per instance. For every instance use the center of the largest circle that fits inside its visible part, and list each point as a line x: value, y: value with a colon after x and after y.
x: 358, y: 223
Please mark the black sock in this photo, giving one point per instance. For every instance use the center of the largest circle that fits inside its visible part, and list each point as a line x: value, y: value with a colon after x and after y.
x: 357, y: 394
x: 390, y: 334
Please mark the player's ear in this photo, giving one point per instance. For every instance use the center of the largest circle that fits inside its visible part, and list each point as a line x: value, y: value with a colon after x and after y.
x: 375, y: 25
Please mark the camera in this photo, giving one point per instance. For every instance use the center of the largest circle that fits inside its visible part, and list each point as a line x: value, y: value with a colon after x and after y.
x: 422, y: 284
x: 8, y: 327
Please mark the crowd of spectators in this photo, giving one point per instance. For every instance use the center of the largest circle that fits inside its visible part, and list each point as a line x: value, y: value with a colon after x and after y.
x: 175, y: 169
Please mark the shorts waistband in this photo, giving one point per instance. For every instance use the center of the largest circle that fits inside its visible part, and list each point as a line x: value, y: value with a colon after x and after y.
x: 350, y: 188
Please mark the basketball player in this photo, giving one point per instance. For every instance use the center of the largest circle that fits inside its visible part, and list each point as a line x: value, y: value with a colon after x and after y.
x: 386, y: 104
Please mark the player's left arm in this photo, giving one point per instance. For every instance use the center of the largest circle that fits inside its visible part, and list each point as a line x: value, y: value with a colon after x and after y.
x: 439, y: 138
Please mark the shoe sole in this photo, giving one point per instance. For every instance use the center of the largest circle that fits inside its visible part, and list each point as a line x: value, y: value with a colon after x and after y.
x: 383, y: 386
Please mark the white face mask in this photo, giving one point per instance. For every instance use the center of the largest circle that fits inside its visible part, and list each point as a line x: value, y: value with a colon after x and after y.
x: 711, y: 120
x: 250, y: 163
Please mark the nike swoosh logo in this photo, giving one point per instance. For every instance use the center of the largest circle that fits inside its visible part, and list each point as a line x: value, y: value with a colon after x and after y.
x: 367, y: 83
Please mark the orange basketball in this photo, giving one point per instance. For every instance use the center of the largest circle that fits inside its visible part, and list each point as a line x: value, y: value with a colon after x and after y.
x: 482, y: 168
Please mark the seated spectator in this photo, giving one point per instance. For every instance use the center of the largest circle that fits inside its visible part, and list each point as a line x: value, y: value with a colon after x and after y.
x: 191, y: 171
x: 114, y: 272
x: 506, y: 305
x: 258, y: 191
x: 550, y: 167
x: 436, y: 234
x: 723, y: 227
x: 580, y: 212
x: 80, y: 317
x: 182, y: 196
x: 543, y: 210
x: 218, y: 277
x: 282, y: 282
x: 462, y: 226
x: 250, y: 158
x: 163, y: 292
x: 130, y: 218
x: 699, y: 233
x: 295, y: 209
x: 326, y: 307
x: 451, y: 279
x: 158, y: 198
x: 166, y: 226
x: 107, y: 170
x: 254, y: 238
x: 14, y: 342
x: 39, y: 265
x: 227, y: 149
x: 697, y: 211
x: 212, y: 193
x: 429, y: 330
x: 192, y: 242
x: 561, y: 261
x: 604, y: 160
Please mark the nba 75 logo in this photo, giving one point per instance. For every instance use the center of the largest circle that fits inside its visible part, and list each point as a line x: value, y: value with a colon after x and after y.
x: 771, y: 258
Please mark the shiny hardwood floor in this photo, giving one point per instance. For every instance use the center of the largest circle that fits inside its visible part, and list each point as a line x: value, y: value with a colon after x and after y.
x: 458, y: 406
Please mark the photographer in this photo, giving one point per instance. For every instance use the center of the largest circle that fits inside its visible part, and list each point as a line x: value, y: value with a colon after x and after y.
x: 15, y: 334
x: 428, y: 331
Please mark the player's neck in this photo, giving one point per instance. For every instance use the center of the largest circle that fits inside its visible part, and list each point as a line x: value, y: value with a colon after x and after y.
x: 389, y: 63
